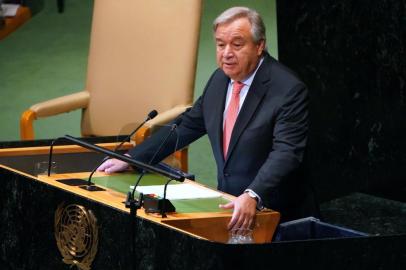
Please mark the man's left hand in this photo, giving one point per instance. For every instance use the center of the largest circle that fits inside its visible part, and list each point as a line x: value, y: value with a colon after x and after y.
x: 244, y: 212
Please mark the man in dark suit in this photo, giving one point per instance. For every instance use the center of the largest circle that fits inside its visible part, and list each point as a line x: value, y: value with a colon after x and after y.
x: 254, y: 111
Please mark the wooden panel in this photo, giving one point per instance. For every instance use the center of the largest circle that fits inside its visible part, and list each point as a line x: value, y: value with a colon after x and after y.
x: 215, y: 228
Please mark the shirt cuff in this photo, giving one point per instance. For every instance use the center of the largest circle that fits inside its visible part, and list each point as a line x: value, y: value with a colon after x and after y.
x: 254, y: 194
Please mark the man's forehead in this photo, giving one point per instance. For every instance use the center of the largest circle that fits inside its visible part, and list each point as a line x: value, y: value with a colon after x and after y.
x: 238, y: 22
x: 239, y: 28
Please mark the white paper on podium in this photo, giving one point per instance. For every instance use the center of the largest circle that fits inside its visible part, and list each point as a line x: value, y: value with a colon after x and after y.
x: 179, y: 191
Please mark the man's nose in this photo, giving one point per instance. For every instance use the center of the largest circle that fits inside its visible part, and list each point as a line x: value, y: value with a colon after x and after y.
x: 228, y: 52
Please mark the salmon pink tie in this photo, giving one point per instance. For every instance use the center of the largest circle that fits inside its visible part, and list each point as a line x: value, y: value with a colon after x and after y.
x: 231, y: 115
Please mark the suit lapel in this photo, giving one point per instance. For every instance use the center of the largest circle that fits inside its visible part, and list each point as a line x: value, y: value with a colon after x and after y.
x: 218, y: 109
x: 255, y: 95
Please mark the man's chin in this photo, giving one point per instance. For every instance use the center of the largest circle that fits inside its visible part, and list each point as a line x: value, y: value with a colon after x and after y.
x: 229, y: 72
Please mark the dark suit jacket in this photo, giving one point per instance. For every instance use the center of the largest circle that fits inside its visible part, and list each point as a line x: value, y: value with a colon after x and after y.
x: 268, y: 140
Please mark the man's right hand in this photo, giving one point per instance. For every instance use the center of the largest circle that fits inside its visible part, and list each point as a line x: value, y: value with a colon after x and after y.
x: 113, y: 165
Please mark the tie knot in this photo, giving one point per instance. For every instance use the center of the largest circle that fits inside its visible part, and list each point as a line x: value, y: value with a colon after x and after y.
x: 237, y: 86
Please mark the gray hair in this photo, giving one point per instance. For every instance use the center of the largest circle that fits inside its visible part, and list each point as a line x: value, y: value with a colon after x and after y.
x: 231, y: 14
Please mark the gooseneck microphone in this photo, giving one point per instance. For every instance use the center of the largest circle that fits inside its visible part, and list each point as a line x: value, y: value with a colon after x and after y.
x: 150, y: 116
x: 90, y: 186
x: 130, y: 195
x: 173, y: 175
x: 81, y: 182
x: 161, y: 146
x: 173, y: 128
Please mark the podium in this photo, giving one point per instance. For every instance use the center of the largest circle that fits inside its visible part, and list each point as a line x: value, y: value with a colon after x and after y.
x: 199, y: 218
x: 40, y: 216
x: 70, y: 225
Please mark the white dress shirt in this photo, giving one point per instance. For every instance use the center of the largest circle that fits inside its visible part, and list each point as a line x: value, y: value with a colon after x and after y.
x: 243, y: 94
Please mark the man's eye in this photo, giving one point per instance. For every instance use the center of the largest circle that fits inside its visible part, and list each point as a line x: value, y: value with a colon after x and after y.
x: 220, y: 45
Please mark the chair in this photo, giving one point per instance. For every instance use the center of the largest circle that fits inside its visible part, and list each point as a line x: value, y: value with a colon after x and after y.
x: 142, y: 56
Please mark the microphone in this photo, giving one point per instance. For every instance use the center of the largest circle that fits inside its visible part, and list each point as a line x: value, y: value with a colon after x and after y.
x: 89, y: 185
x: 80, y: 182
x: 150, y: 116
x: 173, y: 128
x: 152, y: 205
x: 163, y: 143
x: 124, y: 158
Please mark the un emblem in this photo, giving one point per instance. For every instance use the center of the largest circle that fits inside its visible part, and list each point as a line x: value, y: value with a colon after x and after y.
x: 76, y: 235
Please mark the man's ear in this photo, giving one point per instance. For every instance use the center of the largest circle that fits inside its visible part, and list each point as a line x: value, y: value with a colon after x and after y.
x: 260, y: 47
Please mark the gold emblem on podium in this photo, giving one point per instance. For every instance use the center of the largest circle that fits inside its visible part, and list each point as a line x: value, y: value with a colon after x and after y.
x: 76, y: 235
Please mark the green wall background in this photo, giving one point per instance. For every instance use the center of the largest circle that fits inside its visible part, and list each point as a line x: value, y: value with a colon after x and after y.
x: 47, y: 57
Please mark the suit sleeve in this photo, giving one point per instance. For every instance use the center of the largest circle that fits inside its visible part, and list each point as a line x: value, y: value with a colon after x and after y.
x: 190, y: 129
x: 289, y: 142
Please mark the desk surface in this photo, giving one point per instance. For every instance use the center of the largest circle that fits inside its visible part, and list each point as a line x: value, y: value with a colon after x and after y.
x: 198, y: 217
x: 118, y: 185
x: 122, y: 182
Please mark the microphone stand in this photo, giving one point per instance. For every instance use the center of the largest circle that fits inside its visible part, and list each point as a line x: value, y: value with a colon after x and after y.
x: 152, y: 204
x: 124, y: 158
x: 88, y: 185
x: 132, y: 203
x: 110, y: 153
x: 164, y: 200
